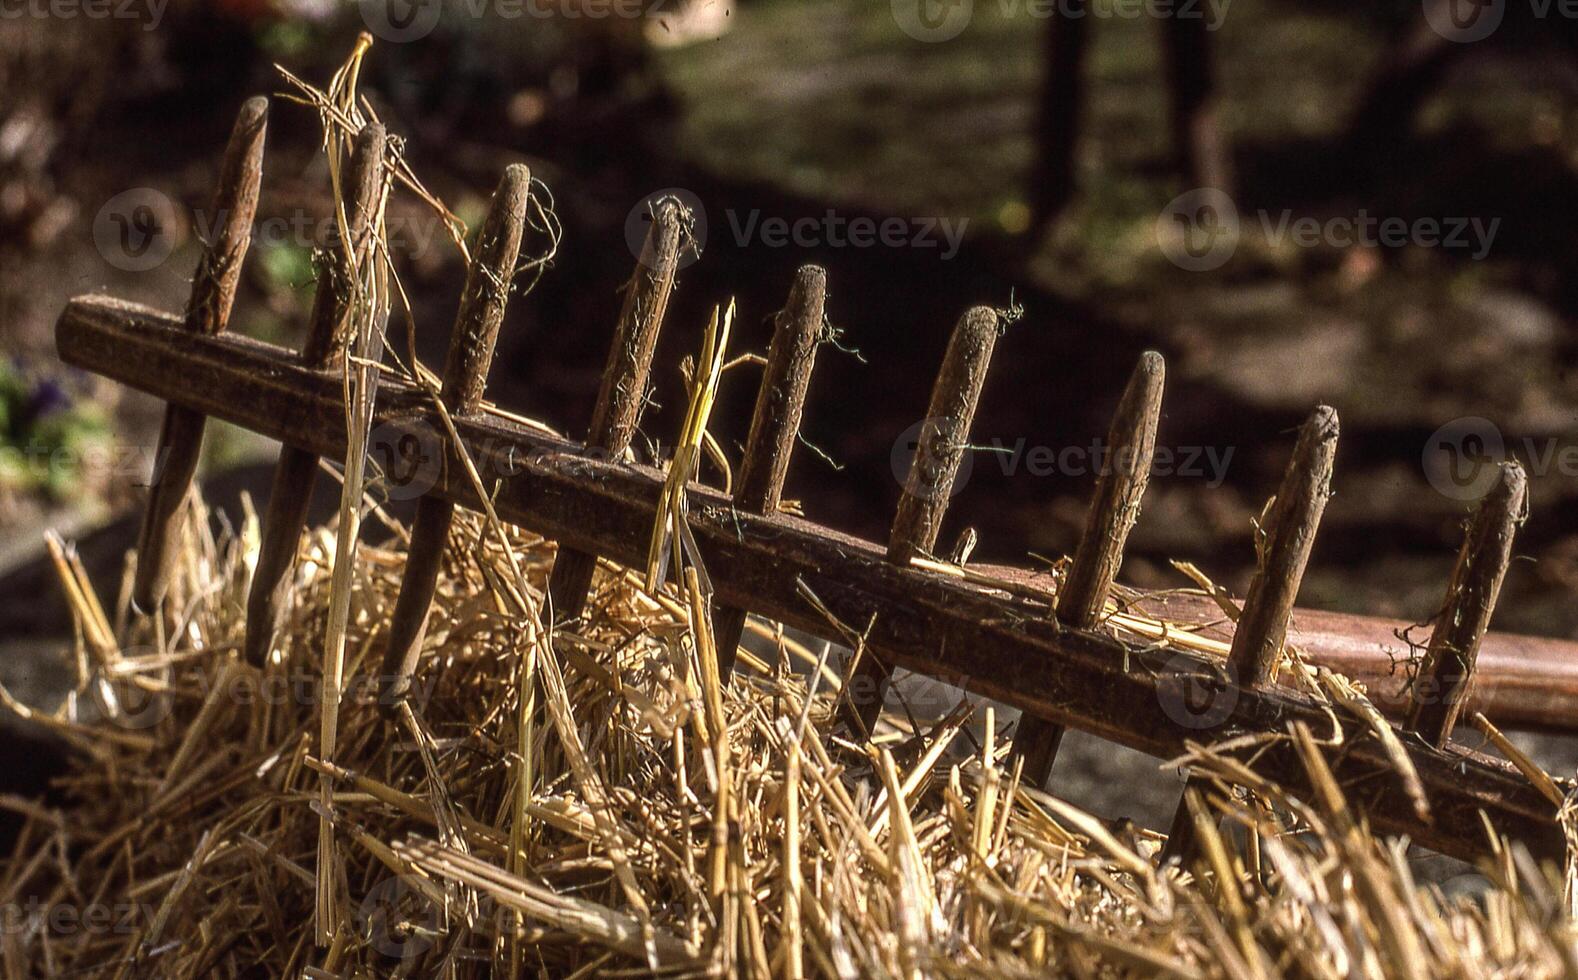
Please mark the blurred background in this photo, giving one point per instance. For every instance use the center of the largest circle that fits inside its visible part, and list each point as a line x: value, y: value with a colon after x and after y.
x: 1370, y: 205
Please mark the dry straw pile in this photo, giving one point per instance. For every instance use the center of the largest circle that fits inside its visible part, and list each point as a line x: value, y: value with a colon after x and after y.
x: 634, y: 815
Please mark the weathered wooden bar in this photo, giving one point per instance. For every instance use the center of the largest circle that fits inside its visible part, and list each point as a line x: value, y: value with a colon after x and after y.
x: 623, y: 392
x: 825, y: 582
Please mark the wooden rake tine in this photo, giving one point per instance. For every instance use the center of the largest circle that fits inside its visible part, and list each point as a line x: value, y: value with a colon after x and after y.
x: 1081, y: 601
x: 625, y: 379
x: 775, y: 425
x: 1263, y: 623
x: 1447, y: 675
x: 471, y: 348
x: 207, y: 313
x: 940, y: 447
x: 296, y: 473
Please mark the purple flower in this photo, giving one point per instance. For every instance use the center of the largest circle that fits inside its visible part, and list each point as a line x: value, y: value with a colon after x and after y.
x: 47, y: 397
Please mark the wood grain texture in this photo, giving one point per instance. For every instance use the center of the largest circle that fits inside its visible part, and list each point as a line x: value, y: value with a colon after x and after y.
x: 1290, y: 535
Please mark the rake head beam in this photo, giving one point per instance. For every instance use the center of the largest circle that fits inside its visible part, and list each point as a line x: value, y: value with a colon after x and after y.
x: 828, y: 583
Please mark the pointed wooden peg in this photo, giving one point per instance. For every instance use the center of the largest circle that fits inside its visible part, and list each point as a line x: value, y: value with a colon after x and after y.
x: 775, y: 425
x: 1447, y: 675
x: 1295, y: 516
x: 296, y: 473
x: 625, y: 379
x: 471, y: 348
x: 940, y: 447
x: 329, y: 324
x: 207, y: 312
x: 1131, y: 444
x: 1262, y: 626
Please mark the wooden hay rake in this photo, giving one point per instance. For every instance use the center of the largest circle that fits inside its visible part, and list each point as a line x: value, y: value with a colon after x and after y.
x: 1057, y: 657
